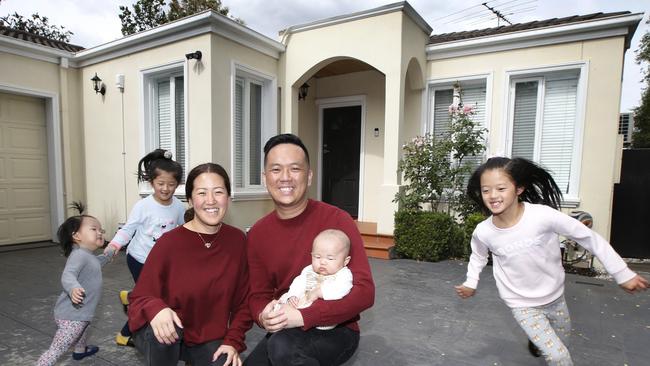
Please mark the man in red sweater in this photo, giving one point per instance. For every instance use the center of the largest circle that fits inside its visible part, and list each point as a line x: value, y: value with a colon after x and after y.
x: 279, y: 247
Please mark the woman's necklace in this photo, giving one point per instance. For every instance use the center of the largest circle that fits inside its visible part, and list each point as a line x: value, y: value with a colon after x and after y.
x: 208, y: 244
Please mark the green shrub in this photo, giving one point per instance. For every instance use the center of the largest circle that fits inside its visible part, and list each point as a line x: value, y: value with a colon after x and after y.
x: 461, y: 248
x: 424, y: 235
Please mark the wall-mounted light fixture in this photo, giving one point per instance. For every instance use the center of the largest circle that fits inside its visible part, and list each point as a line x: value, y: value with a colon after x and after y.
x: 194, y: 55
x: 302, y: 91
x: 98, y: 86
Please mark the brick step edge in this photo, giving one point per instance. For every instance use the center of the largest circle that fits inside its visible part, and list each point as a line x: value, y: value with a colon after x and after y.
x: 378, y: 246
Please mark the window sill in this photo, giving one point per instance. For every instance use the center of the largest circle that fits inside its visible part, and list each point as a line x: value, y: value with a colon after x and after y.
x: 570, y: 202
x: 250, y: 195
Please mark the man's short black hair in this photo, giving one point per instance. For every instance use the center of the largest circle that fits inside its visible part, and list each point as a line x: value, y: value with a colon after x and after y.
x: 285, y: 138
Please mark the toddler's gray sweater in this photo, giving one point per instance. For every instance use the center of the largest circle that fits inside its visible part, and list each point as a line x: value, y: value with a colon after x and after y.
x: 83, y: 269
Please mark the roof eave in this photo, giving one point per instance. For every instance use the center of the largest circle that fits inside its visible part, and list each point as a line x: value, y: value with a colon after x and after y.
x: 201, y: 23
x: 33, y: 50
x: 622, y: 25
x: 385, y: 9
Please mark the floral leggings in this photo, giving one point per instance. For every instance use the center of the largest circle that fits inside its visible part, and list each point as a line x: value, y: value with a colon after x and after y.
x: 548, y: 327
x: 69, y: 333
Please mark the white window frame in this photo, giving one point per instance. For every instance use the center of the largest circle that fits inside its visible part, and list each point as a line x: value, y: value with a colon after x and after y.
x: 446, y: 83
x: 572, y: 198
x: 148, y: 79
x: 434, y: 85
x: 269, y: 126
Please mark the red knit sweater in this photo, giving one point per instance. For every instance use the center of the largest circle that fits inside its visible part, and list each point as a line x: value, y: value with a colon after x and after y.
x: 206, y: 287
x: 279, y: 249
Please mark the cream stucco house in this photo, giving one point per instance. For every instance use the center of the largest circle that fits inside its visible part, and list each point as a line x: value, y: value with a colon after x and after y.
x: 547, y: 90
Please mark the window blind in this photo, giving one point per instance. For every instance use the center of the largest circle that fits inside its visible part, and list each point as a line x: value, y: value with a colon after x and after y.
x: 239, y: 132
x: 554, y: 148
x: 441, y: 119
x: 558, y: 129
x: 250, y: 113
x: 525, y: 116
x: 165, y: 133
x: 255, y: 135
x: 179, y: 119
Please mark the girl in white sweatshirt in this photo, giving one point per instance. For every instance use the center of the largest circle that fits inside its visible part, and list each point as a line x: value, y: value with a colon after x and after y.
x: 522, y: 234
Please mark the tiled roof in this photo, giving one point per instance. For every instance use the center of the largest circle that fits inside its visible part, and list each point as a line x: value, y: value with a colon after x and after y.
x: 457, y: 36
x: 39, y: 40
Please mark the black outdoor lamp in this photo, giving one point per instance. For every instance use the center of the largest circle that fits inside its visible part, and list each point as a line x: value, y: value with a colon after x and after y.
x: 194, y: 55
x: 302, y: 91
x: 98, y: 86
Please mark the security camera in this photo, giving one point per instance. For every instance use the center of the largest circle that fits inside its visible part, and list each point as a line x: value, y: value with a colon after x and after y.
x: 194, y: 55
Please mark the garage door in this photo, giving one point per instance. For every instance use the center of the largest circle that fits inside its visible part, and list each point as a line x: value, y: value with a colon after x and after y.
x: 24, y: 193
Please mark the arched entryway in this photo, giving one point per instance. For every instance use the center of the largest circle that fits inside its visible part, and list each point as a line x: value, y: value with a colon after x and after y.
x: 341, y: 119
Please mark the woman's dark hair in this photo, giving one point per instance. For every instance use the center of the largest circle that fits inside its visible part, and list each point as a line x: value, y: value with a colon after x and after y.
x: 539, y: 186
x: 158, y: 160
x: 285, y: 138
x: 205, y: 168
x: 65, y: 232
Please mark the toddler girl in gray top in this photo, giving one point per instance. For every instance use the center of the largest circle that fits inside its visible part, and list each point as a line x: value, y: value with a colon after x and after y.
x: 79, y: 236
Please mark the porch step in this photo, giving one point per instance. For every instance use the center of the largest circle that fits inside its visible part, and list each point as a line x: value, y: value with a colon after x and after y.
x: 377, y: 245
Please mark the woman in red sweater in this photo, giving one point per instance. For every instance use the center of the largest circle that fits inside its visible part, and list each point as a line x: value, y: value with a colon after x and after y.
x: 190, y: 301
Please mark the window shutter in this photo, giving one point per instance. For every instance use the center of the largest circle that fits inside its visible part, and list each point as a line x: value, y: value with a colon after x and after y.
x: 239, y: 132
x: 179, y: 110
x: 441, y: 118
x: 249, y: 115
x: 525, y: 115
x: 164, y: 116
x: 558, y: 129
x: 255, y: 135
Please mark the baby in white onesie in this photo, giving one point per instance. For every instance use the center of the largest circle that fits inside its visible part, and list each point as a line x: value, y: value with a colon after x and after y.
x: 327, y: 277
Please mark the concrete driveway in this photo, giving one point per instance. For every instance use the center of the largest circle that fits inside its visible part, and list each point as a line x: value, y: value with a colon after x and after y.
x: 417, y: 318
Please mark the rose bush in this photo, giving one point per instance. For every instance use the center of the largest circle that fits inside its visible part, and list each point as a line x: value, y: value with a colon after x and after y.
x: 435, y: 169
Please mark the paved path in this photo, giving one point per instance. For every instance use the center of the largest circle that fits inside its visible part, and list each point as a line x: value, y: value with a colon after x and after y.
x: 417, y: 318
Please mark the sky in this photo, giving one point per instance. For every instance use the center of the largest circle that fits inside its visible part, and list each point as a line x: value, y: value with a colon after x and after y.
x: 95, y: 22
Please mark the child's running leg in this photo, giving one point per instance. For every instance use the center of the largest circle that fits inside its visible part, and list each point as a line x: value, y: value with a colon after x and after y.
x: 80, y: 346
x: 535, y: 322
x: 68, y: 333
x: 558, y: 315
x: 123, y: 337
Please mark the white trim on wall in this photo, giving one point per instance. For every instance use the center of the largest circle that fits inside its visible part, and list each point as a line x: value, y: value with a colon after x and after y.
x: 54, y: 150
x: 349, y: 101
x: 424, y: 111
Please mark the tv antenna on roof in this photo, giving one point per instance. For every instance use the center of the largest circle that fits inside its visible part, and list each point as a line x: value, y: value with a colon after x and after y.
x: 498, y: 14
